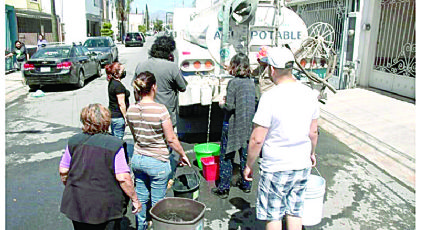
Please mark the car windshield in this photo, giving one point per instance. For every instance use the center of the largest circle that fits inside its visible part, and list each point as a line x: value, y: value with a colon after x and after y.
x: 91, y: 43
x: 133, y: 35
x: 52, y: 52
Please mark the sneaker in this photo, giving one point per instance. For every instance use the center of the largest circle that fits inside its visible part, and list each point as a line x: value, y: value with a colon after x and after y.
x: 222, y: 194
x: 245, y: 190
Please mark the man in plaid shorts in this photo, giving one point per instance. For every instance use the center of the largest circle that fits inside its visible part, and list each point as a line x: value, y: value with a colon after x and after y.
x: 285, y: 128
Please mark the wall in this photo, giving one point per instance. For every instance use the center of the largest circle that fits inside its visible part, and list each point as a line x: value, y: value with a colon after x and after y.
x: 91, y: 9
x: 20, y: 4
x: 113, y: 17
x: 370, y: 16
x: 74, y: 18
x: 135, y: 20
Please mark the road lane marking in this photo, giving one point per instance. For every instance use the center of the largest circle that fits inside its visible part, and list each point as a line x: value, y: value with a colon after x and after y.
x: 17, y: 158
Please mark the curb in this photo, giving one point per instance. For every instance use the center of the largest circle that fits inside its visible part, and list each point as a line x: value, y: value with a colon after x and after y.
x: 14, y: 87
x: 395, y: 163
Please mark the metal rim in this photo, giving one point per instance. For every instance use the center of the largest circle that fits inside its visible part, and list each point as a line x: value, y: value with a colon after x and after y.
x: 81, y: 79
x: 99, y: 70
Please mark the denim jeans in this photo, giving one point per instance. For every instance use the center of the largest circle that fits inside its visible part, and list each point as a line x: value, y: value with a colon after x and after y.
x: 118, y: 127
x: 151, y: 176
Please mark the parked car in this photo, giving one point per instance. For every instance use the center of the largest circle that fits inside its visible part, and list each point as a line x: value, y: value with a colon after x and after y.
x: 134, y: 39
x: 61, y: 64
x: 104, y: 47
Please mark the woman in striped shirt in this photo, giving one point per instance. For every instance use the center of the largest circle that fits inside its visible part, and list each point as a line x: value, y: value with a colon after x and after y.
x: 152, y: 130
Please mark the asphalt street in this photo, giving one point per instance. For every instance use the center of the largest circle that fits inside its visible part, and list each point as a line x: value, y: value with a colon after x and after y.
x: 358, y: 195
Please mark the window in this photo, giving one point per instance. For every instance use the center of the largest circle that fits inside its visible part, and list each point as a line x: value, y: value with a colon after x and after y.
x: 85, y: 51
x: 79, y: 51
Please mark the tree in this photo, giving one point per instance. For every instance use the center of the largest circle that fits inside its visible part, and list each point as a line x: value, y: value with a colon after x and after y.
x: 147, y: 18
x: 54, y: 21
x: 157, y: 25
x: 127, y: 10
x: 120, y: 16
x: 142, y: 28
x: 106, y: 30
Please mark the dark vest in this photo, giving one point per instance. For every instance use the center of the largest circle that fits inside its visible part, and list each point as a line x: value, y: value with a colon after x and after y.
x: 92, y: 194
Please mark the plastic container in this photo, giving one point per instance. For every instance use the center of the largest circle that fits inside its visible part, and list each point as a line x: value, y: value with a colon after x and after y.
x: 206, y: 150
x: 186, y: 185
x: 210, y: 167
x: 321, y: 72
x: 313, y: 201
x: 177, y: 214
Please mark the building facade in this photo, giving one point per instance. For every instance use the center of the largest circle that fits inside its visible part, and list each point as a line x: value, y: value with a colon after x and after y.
x: 33, y: 18
x: 111, y: 16
x: 134, y: 21
x: 94, y: 13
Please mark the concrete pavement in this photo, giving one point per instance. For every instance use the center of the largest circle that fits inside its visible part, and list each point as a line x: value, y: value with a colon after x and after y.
x: 380, y: 128
x: 14, y: 86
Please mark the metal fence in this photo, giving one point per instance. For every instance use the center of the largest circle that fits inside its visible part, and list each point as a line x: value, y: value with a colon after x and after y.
x: 396, y: 47
x: 333, y: 12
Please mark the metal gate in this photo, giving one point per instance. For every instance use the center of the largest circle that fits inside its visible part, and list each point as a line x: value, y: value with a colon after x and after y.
x: 394, y: 66
x: 333, y: 12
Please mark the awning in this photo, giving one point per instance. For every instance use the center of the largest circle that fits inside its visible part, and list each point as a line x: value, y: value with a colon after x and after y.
x: 32, y: 14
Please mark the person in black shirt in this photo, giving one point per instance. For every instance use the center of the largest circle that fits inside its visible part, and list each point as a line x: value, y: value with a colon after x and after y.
x: 118, y: 98
x: 21, y: 54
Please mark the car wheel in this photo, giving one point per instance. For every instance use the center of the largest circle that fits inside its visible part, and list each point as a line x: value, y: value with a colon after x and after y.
x: 142, y: 45
x: 99, y: 70
x: 34, y: 88
x: 80, y: 83
x: 116, y: 59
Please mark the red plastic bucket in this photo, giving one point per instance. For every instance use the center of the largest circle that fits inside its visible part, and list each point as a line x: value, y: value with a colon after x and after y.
x: 210, y: 167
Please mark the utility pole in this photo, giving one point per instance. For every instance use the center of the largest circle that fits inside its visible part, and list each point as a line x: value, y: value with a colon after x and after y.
x: 54, y: 21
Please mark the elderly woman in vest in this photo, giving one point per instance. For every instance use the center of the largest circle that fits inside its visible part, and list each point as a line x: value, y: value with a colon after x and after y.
x: 96, y: 175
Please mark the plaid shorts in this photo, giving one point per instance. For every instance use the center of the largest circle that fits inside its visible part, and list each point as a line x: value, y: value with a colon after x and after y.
x: 281, y: 193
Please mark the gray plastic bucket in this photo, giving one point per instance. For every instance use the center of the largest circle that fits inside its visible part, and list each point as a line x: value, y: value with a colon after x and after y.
x: 313, y: 200
x: 175, y: 213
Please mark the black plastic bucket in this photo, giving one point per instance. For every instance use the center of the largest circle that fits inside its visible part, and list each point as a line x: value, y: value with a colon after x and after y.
x: 186, y: 185
x: 175, y: 213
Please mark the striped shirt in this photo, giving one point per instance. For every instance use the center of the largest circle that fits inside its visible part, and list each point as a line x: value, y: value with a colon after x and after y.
x: 145, y: 121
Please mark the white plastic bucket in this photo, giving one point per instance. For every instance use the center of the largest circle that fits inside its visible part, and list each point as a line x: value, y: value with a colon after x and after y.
x: 313, y: 200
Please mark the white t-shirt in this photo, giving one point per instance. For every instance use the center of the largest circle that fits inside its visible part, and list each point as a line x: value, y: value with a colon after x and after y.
x: 287, y: 111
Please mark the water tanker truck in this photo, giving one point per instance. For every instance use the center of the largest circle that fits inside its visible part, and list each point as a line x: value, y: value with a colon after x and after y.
x: 208, y: 36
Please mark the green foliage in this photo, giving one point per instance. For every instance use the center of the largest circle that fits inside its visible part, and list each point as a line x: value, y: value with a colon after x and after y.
x: 106, y: 30
x: 157, y: 25
x: 142, y: 28
x: 147, y: 17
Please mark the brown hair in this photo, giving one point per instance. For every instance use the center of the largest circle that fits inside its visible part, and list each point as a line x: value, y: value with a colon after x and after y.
x: 113, y: 71
x: 239, y: 66
x: 143, y: 84
x: 96, y: 118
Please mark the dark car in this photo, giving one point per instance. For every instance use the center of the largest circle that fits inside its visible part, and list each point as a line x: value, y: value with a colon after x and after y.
x: 61, y: 64
x: 134, y: 39
x: 104, y: 47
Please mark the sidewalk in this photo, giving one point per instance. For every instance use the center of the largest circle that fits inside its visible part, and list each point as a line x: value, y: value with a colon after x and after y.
x: 379, y: 128
x: 14, y: 86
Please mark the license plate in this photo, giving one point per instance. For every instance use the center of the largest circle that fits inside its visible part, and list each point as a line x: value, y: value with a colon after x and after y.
x: 44, y: 69
x: 133, y: 39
